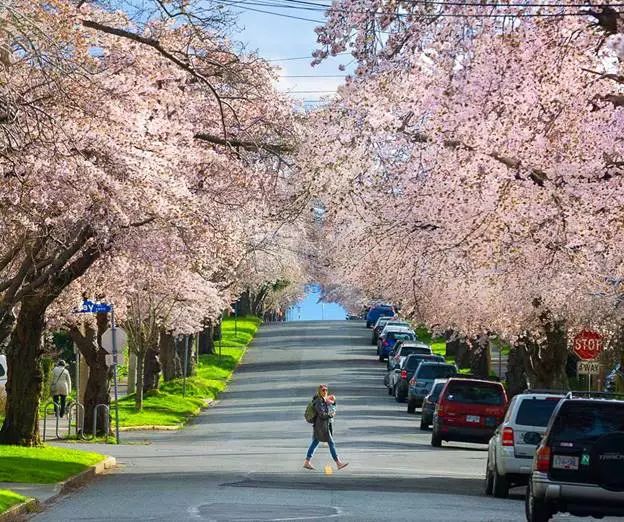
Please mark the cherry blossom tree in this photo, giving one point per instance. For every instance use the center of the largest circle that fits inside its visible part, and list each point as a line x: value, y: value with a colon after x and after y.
x: 472, y: 171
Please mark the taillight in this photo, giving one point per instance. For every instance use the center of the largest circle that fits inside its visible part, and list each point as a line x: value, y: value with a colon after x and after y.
x: 440, y: 409
x: 542, y: 459
x: 508, y: 437
x: 386, y: 343
x: 403, y: 374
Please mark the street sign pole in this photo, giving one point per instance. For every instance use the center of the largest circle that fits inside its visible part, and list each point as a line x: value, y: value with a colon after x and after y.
x: 186, y: 345
x: 236, y: 319
x: 113, y: 328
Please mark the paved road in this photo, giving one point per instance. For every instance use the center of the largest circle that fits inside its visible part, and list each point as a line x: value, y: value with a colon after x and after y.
x: 241, y: 459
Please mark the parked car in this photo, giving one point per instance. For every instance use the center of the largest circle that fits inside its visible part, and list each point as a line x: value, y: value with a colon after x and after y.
x: 512, y: 448
x: 382, y: 323
x: 579, y: 465
x: 376, y: 312
x: 399, y: 377
x: 610, y: 384
x: 469, y: 410
x: 390, y: 336
x: 429, y: 404
x: 3, y: 371
x: 404, y: 348
x: 422, y: 381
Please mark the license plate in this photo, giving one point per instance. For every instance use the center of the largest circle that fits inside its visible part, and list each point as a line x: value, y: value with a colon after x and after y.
x: 565, y: 462
x: 473, y: 418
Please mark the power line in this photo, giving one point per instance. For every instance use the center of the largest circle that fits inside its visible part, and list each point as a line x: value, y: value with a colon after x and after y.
x: 238, y: 5
x: 244, y: 3
x: 309, y: 92
x: 313, y: 76
x: 457, y: 3
x: 300, y: 58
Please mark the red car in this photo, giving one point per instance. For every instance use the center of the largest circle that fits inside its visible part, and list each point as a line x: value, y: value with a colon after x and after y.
x: 469, y: 410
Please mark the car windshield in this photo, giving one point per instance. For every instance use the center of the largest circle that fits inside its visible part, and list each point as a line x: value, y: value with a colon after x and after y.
x: 536, y: 412
x: 471, y: 393
x: 411, y: 363
x: 408, y: 350
x: 400, y: 336
x: 587, y: 422
x: 430, y: 371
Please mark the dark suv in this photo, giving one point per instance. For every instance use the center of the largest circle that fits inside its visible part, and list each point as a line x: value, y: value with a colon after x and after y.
x: 579, y: 465
x: 399, y: 378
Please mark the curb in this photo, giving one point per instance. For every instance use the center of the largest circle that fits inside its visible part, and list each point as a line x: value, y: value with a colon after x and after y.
x: 82, y: 478
x: 19, y: 512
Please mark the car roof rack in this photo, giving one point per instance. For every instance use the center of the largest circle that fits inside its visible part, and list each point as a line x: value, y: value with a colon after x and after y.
x: 594, y: 395
x: 546, y: 390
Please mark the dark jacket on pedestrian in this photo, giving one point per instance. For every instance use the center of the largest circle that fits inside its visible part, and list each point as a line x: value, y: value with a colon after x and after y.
x: 323, y: 424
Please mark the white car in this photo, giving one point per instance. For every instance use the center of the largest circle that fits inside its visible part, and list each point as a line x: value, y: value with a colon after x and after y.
x: 3, y: 371
x: 512, y: 448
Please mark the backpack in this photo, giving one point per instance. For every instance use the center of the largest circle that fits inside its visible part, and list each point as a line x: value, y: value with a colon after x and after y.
x: 310, y: 412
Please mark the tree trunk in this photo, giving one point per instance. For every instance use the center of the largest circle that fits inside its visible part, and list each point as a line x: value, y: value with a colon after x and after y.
x: 190, y: 362
x: 516, y: 373
x: 25, y: 378
x: 138, y: 397
x: 152, y: 369
x: 546, y: 361
x: 244, y: 303
x: 97, y: 390
x: 171, y: 365
x: 480, y: 360
x: 206, y: 340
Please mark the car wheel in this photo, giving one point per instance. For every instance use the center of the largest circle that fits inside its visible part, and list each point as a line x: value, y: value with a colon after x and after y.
x: 381, y: 358
x: 501, y: 485
x: 536, y: 510
x: 424, y: 425
x: 397, y: 395
x: 489, y: 479
x: 411, y: 407
x: 436, y: 441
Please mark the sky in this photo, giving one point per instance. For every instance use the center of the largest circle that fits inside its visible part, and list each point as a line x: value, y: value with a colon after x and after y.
x: 277, y: 37
x: 309, y: 309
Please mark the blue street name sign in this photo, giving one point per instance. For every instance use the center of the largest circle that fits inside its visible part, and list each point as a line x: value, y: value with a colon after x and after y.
x: 90, y: 307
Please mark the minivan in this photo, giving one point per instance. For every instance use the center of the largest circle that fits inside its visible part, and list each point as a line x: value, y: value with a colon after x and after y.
x: 469, y: 410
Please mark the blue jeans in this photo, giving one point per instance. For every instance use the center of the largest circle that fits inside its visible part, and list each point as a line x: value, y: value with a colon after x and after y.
x: 315, y: 443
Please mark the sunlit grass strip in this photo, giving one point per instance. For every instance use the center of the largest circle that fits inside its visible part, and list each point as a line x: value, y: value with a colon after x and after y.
x: 167, y: 406
x: 43, y: 465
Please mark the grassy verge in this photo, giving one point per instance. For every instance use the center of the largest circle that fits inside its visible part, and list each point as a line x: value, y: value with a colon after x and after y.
x: 9, y: 499
x: 43, y: 465
x: 168, y: 406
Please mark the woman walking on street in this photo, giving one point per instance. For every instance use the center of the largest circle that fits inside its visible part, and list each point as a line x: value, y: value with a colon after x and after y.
x: 325, y: 409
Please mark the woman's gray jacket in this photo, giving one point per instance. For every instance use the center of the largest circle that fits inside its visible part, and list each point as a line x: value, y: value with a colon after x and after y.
x: 323, y: 423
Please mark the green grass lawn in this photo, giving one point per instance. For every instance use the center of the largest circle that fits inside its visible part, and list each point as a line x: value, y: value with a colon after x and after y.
x: 168, y: 407
x: 43, y: 465
x: 9, y: 499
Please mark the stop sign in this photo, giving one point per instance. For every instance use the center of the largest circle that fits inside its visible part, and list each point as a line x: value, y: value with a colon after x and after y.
x: 588, y: 345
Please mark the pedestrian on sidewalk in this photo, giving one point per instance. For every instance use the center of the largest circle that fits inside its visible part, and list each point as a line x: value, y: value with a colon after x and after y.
x: 60, y: 387
x: 325, y: 409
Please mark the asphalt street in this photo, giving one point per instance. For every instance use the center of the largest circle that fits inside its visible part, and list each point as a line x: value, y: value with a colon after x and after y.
x: 242, y: 458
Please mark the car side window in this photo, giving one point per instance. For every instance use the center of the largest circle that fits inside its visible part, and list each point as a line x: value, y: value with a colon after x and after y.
x: 2, y: 371
x: 510, y: 408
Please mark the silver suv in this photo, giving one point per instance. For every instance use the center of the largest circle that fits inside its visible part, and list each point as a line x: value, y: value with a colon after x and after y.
x: 511, y: 449
x: 579, y: 466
